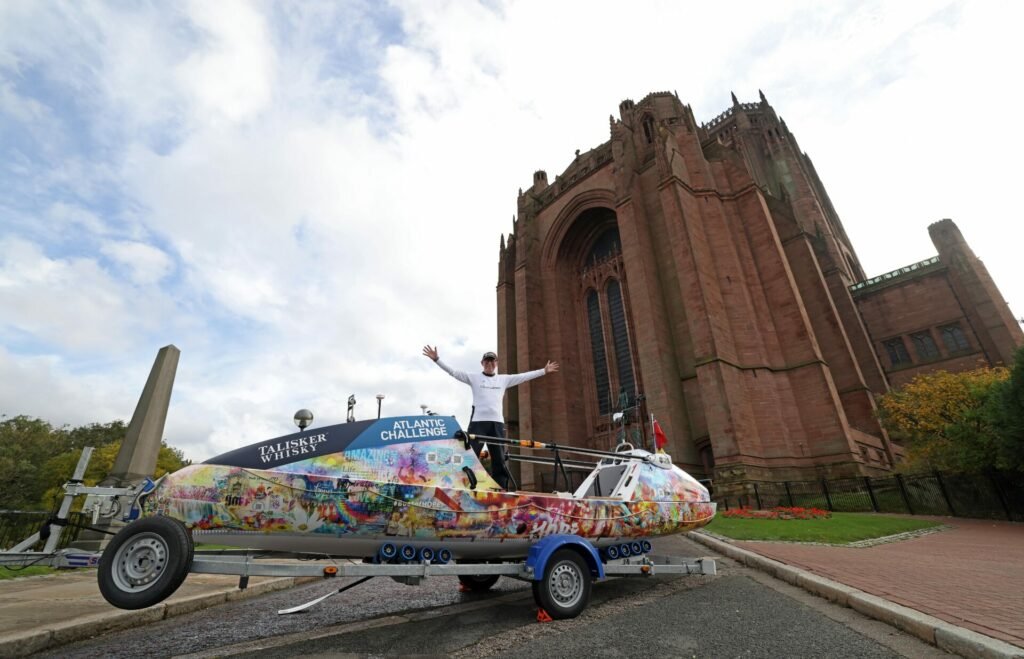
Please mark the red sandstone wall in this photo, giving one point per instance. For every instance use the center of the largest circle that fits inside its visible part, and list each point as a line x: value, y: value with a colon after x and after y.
x: 921, y: 303
x: 744, y: 332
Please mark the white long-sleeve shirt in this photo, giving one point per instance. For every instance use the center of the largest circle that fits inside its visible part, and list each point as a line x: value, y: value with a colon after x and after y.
x: 489, y: 390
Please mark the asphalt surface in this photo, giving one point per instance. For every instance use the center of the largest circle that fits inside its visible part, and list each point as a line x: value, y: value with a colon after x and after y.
x: 739, y: 613
x: 731, y: 617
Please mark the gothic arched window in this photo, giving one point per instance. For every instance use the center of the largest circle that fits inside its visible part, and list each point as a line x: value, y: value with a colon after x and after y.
x: 620, y: 339
x: 604, y: 313
x: 648, y: 128
x: 606, y: 246
x: 597, y: 351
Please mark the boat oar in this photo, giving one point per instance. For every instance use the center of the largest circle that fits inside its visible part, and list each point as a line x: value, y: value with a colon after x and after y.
x: 303, y: 607
x: 565, y: 448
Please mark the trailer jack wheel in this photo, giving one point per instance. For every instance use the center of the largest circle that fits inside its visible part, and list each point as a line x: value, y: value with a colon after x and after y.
x: 564, y: 591
x: 145, y: 562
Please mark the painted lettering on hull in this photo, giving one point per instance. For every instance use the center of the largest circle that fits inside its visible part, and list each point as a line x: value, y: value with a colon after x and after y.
x: 415, y: 429
x: 290, y: 448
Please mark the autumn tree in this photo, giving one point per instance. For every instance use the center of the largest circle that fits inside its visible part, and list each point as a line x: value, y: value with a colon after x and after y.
x: 948, y: 421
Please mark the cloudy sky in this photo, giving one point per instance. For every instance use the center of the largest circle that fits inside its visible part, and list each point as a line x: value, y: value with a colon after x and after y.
x: 300, y: 195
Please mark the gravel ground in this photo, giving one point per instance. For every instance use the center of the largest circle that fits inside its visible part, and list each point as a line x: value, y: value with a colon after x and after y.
x: 235, y: 622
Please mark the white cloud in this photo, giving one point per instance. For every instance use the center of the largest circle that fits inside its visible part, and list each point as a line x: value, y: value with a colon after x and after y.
x: 46, y: 387
x: 72, y: 304
x: 301, y: 196
x: 232, y: 73
x: 146, y: 264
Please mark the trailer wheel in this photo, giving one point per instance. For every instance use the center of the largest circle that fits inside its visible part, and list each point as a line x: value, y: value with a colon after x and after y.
x: 478, y: 583
x: 565, y: 589
x: 145, y: 562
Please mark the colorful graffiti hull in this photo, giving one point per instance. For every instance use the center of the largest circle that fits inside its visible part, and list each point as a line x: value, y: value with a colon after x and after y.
x: 411, y: 489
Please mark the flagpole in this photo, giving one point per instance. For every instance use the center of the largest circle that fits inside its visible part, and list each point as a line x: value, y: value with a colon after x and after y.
x: 654, y: 436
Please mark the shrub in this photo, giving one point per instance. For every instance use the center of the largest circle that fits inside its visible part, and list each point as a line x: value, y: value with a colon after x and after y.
x: 779, y: 512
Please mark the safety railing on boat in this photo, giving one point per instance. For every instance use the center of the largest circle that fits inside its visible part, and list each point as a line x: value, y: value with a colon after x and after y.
x: 559, y: 463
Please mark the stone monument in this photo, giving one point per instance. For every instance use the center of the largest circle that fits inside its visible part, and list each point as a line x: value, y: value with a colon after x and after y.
x: 137, y: 458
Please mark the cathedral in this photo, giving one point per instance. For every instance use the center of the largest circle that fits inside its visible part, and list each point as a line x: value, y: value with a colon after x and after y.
x: 698, y: 274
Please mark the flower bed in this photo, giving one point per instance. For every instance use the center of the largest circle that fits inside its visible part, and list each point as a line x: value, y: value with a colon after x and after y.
x: 779, y: 512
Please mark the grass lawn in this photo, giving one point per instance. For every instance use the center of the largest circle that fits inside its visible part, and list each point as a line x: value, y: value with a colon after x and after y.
x: 839, y: 529
x: 30, y: 571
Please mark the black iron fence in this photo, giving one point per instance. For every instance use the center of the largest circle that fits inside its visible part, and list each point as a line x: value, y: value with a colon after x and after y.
x: 988, y: 496
x: 17, y: 525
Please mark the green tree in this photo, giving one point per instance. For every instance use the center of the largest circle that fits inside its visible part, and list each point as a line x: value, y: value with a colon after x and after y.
x: 1009, y: 450
x: 37, y: 459
x: 169, y: 459
x: 95, y: 434
x: 25, y: 443
x: 59, y: 468
x: 972, y: 441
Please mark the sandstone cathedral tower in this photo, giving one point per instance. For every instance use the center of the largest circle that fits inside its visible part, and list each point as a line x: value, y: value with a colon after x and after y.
x: 699, y: 273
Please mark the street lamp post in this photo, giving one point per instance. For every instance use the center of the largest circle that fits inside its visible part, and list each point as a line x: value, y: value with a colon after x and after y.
x: 380, y: 398
x: 303, y: 418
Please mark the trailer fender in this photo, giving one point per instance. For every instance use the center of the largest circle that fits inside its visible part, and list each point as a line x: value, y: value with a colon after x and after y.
x: 541, y: 551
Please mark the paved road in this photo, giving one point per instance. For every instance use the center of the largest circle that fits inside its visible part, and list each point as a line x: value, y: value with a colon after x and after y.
x: 737, y: 613
x: 973, y: 576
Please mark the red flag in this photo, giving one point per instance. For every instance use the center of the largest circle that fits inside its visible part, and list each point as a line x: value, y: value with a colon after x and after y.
x: 659, y: 436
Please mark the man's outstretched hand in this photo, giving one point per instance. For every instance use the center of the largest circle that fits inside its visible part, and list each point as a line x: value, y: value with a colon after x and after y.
x: 432, y: 353
x: 551, y: 367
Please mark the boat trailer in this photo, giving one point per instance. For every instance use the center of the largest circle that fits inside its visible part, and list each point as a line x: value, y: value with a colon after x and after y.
x: 561, y: 568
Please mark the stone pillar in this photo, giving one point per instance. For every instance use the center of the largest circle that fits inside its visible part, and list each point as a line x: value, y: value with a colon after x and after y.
x: 136, y: 460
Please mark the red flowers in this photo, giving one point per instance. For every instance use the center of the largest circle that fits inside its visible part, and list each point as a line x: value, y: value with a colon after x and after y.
x: 779, y: 512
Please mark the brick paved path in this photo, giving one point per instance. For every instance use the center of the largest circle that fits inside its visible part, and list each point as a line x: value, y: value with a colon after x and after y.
x: 971, y: 575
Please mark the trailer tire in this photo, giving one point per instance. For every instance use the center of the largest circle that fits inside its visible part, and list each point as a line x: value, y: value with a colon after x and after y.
x: 564, y: 591
x: 145, y: 562
x: 478, y: 583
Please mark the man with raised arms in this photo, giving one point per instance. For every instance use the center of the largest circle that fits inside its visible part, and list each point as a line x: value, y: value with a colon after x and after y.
x: 488, y: 394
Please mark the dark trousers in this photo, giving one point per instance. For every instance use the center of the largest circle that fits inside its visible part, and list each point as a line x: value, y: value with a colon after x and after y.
x: 499, y: 472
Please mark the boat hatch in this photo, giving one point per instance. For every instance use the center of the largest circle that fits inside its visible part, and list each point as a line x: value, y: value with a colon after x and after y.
x: 605, y: 481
